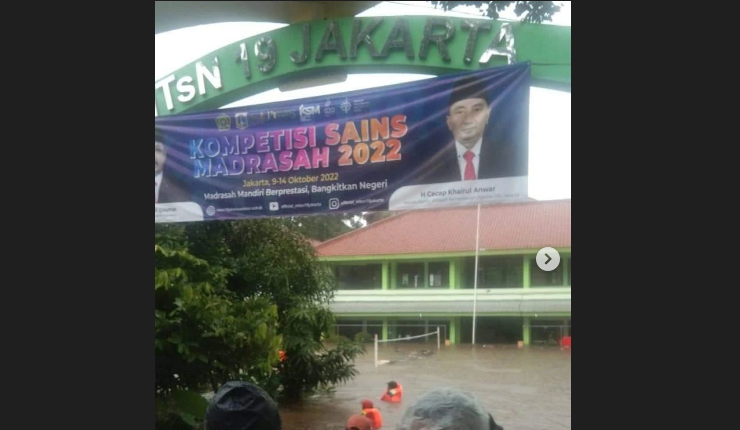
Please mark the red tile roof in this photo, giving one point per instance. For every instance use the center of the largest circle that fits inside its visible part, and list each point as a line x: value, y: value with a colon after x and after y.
x: 529, y: 225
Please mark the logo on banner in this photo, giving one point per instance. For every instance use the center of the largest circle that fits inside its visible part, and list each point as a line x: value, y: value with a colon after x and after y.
x: 274, y: 206
x: 223, y: 122
x: 333, y: 204
x: 308, y: 112
x: 281, y: 114
x: 211, y: 211
x: 242, y: 120
x: 346, y: 106
x: 258, y: 118
x: 329, y: 110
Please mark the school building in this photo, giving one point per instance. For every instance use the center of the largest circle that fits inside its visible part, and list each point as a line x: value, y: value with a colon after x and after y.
x: 410, y: 273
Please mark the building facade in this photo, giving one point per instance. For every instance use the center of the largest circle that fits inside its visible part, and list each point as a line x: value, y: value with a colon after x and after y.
x: 415, y: 271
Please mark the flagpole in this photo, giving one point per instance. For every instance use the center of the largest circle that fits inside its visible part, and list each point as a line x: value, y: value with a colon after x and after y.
x: 475, y: 282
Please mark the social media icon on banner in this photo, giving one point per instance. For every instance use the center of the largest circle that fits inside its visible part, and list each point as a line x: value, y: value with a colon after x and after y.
x: 211, y: 211
x: 274, y: 206
x: 333, y: 203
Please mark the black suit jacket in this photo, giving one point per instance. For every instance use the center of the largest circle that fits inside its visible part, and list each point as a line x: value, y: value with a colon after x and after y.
x: 172, y: 192
x: 496, y: 161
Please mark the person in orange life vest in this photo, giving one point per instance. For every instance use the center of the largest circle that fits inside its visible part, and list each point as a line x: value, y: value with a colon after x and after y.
x: 565, y: 342
x: 368, y: 409
x: 359, y: 422
x: 394, y: 393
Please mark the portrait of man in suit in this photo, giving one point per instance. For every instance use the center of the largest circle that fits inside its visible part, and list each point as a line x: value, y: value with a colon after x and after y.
x: 166, y: 190
x: 469, y: 155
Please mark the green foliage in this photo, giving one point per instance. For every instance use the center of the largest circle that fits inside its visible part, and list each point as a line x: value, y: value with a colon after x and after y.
x: 373, y: 217
x: 529, y: 11
x: 364, y: 337
x: 180, y: 410
x: 324, y: 227
x: 336, y: 339
x: 228, y: 296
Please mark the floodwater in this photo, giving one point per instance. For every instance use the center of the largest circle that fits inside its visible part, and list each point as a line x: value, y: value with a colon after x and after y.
x: 528, y: 389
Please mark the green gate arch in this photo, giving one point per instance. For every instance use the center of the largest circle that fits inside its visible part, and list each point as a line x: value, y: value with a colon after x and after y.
x: 413, y: 45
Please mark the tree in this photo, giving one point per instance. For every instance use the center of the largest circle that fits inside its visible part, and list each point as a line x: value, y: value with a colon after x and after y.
x: 373, y: 217
x: 533, y: 11
x: 275, y: 261
x: 228, y: 297
x: 204, y: 334
x: 324, y: 227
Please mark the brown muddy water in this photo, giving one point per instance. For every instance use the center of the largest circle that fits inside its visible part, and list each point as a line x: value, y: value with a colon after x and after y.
x: 527, y: 389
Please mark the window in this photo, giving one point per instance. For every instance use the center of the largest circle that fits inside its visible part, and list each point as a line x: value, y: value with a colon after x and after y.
x: 495, y: 272
x: 359, y: 277
x: 439, y: 275
x: 541, y: 278
x: 411, y: 275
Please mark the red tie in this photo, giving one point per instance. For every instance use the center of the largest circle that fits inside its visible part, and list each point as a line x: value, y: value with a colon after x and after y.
x: 469, y: 167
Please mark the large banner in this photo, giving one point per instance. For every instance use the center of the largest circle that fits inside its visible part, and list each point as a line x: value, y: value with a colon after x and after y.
x: 449, y: 141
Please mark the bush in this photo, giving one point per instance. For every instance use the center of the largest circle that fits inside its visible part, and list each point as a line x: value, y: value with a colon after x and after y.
x: 364, y: 337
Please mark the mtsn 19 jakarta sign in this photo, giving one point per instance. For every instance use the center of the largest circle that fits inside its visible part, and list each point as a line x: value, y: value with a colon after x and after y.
x: 431, y: 45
